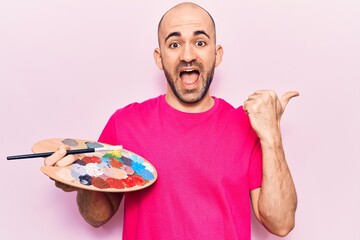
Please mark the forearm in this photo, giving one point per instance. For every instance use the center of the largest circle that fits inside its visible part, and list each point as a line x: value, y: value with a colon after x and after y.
x: 97, y: 207
x: 277, y: 199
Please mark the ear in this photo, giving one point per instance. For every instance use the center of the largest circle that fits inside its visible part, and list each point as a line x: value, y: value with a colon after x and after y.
x: 218, y: 55
x: 157, y: 58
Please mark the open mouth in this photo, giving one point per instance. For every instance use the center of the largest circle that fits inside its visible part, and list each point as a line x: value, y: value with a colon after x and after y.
x: 189, y: 76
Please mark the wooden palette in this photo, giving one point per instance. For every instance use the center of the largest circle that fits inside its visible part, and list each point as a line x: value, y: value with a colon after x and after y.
x: 112, y: 171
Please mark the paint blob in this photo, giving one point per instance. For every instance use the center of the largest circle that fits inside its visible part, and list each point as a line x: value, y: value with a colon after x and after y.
x: 115, y: 183
x: 85, y: 179
x: 70, y: 142
x: 99, y: 183
x: 116, y: 169
x: 93, y: 145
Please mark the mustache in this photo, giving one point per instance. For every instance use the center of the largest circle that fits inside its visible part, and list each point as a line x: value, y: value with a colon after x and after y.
x: 193, y: 63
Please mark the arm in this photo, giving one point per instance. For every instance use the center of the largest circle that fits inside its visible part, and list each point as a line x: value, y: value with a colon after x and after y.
x: 275, y: 202
x: 96, y: 208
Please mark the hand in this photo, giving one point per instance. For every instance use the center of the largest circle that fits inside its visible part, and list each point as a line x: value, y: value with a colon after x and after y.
x: 59, y: 159
x: 265, y: 110
x: 65, y: 187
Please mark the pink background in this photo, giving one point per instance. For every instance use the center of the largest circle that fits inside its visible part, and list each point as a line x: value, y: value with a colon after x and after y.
x: 65, y: 66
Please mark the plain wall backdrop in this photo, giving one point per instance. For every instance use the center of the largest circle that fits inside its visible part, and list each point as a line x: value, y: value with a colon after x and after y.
x: 67, y: 65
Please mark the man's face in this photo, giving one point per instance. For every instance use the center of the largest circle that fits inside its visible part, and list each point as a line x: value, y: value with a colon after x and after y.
x: 188, y: 54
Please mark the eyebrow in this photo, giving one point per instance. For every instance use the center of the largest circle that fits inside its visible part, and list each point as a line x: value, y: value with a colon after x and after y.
x: 173, y: 34
x: 178, y: 34
x: 201, y: 32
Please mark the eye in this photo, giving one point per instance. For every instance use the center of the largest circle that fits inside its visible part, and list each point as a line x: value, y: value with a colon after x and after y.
x: 174, y: 45
x: 200, y: 43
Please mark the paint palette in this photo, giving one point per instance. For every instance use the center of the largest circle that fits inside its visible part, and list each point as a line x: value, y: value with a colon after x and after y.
x: 111, y: 171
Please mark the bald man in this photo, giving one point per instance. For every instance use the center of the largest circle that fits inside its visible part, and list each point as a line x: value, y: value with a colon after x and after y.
x: 214, y: 161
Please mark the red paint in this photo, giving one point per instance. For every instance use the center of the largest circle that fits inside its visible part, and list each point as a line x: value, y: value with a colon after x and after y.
x: 92, y: 159
x: 115, y: 183
x: 131, y: 181
x: 138, y: 180
x: 99, y: 183
x: 115, y: 163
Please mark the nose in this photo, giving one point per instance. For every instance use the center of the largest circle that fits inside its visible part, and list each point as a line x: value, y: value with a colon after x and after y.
x: 187, y: 54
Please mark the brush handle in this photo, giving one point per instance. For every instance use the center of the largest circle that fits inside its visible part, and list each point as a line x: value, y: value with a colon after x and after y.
x: 47, y: 154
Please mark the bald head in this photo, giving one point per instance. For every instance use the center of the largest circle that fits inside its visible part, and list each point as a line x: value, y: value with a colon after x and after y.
x: 183, y: 10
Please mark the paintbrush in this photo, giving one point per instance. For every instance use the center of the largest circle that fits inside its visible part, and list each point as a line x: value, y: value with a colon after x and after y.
x: 75, y: 151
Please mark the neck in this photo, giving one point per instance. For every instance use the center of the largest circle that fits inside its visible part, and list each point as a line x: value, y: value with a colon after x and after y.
x: 203, y: 105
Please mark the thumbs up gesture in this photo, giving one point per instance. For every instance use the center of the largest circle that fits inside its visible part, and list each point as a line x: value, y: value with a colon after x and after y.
x: 265, y: 110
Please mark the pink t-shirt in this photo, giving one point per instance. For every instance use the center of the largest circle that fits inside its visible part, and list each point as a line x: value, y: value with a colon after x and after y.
x: 207, y: 164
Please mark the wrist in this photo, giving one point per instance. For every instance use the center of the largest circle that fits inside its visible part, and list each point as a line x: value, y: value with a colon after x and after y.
x: 271, y: 139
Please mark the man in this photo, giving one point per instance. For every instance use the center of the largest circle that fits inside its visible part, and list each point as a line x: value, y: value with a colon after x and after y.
x: 213, y: 160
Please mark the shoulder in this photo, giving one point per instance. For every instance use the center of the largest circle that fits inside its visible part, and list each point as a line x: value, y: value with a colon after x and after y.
x: 222, y: 103
x: 237, y: 112
x: 236, y: 117
x: 136, y: 108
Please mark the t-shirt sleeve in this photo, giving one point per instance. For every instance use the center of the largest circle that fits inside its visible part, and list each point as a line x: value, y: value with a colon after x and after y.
x: 255, y: 167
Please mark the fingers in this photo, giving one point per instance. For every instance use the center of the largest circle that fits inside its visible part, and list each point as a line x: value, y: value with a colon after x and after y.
x: 67, y: 160
x: 59, y: 158
x: 258, y: 98
x: 65, y: 187
x: 285, y: 98
x: 263, y: 93
x: 59, y: 154
x: 268, y: 96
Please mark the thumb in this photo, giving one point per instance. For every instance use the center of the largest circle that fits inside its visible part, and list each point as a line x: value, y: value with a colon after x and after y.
x: 284, y: 99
